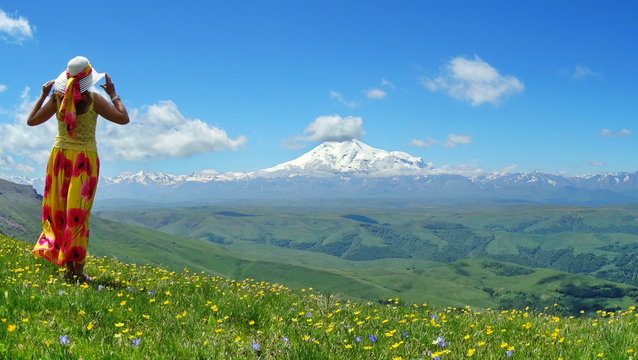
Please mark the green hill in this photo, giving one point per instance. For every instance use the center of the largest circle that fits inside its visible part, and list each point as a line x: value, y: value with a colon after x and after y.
x: 596, y: 241
x: 247, y: 243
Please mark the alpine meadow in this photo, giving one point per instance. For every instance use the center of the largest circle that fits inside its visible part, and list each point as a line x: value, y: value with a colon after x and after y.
x: 310, y: 180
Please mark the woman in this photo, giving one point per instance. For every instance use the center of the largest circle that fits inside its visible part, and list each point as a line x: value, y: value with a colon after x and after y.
x: 73, y: 168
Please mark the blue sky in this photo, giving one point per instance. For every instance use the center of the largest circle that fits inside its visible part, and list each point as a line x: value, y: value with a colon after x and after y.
x: 229, y: 86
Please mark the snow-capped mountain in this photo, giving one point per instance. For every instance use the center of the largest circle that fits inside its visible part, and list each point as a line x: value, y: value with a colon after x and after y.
x: 352, y: 169
x: 329, y: 159
x: 351, y: 157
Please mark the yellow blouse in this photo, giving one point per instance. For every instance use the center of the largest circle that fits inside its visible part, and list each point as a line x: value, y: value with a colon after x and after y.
x: 84, y: 133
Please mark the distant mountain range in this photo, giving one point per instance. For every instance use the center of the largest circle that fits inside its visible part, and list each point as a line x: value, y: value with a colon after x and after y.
x: 353, y: 169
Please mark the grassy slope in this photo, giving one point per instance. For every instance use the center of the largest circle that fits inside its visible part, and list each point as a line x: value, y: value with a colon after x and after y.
x: 141, y: 245
x: 142, y: 312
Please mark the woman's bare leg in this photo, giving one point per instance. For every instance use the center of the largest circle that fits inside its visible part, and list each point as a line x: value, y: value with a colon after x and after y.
x: 79, y: 272
x: 70, y: 269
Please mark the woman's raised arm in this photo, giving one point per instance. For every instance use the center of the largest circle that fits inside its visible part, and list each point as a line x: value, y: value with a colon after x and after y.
x: 117, y: 112
x: 39, y: 113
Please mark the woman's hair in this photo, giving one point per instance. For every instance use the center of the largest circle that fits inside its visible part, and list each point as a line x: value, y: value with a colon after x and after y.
x: 81, y: 107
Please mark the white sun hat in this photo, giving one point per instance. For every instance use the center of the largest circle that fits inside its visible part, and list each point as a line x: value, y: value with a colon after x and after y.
x: 74, y: 66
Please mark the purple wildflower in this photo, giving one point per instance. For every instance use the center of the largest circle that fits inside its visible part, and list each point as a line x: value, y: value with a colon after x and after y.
x: 255, y: 346
x: 509, y: 353
x: 433, y: 317
x: 61, y: 292
x: 357, y: 338
x: 285, y: 339
x: 100, y: 287
x: 308, y: 315
x: 372, y: 338
x: 135, y: 342
x: 440, y: 341
x: 405, y: 334
x: 151, y: 292
x: 64, y: 339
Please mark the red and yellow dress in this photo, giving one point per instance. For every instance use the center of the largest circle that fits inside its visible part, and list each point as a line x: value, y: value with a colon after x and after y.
x: 71, y: 179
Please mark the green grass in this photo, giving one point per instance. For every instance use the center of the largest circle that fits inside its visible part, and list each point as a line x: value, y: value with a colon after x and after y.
x: 144, y: 312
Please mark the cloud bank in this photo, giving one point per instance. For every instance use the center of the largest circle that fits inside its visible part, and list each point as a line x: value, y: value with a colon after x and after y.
x: 21, y: 140
x: 161, y: 131
x: 474, y: 81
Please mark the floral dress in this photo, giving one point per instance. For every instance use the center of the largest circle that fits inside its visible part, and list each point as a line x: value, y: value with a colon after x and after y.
x: 71, y: 179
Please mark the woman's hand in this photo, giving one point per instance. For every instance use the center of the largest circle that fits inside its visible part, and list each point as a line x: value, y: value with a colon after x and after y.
x: 108, y: 87
x: 46, y: 88
x: 39, y: 113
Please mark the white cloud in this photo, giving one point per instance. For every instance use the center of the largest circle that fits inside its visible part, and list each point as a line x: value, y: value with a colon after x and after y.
x: 611, y: 134
x: 33, y: 143
x: 334, y: 128
x: 327, y: 128
x: 7, y: 162
x: 375, y: 94
x: 337, y: 96
x: 474, y: 81
x: 161, y: 131
x: 453, y: 140
x: 14, y: 29
x: 3, y: 87
x: 208, y: 172
x: 387, y: 83
x: 580, y: 71
x: 596, y: 163
x: 468, y: 170
x: 509, y: 168
x: 423, y: 143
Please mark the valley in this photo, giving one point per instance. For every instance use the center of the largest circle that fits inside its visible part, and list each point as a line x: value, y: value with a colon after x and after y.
x: 480, y: 254
x: 402, y: 251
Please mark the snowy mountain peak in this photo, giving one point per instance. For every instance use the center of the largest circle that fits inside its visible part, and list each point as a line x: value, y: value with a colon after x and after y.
x: 351, y: 157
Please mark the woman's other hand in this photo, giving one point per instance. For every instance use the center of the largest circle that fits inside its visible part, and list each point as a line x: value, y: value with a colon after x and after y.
x: 46, y: 88
x: 109, y: 88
